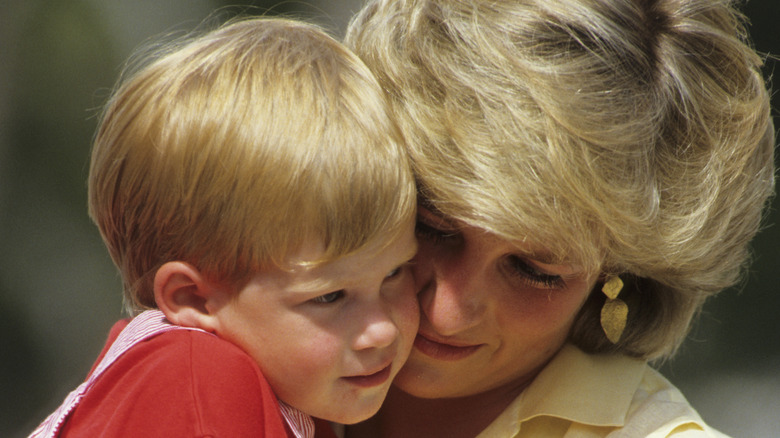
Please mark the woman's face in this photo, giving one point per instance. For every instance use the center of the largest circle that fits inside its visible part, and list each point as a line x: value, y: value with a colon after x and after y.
x: 491, y: 314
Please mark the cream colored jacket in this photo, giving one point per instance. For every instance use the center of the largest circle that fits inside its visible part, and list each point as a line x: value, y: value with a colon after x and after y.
x: 581, y: 395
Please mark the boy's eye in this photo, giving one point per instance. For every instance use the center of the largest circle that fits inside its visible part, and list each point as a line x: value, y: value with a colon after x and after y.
x: 329, y: 297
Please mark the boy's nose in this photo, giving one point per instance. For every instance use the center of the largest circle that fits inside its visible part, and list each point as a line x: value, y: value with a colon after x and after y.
x: 378, y: 329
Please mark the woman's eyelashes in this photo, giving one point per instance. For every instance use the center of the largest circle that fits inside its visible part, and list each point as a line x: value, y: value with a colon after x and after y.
x: 328, y: 298
x: 520, y: 268
x: 516, y: 266
x: 433, y: 234
x: 394, y: 272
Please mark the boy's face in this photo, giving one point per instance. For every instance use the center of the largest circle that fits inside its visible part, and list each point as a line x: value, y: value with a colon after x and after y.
x: 330, y: 339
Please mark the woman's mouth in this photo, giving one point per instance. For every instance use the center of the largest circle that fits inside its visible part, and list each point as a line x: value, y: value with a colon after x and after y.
x: 443, y: 351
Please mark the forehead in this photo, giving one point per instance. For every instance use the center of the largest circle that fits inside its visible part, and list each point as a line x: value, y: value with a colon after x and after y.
x: 543, y: 251
x: 373, y: 260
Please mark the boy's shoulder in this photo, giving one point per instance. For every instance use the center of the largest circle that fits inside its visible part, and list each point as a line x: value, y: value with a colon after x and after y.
x: 180, y: 383
x: 194, y: 355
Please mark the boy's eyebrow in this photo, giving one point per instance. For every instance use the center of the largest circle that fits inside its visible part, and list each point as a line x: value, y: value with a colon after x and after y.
x: 316, y: 284
x: 319, y: 283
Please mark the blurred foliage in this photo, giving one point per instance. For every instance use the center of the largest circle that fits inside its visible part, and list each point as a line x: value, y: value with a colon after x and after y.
x: 58, y: 290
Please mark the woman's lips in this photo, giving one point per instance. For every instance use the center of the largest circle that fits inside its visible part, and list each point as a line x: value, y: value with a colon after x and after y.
x: 443, y: 351
x: 371, y: 380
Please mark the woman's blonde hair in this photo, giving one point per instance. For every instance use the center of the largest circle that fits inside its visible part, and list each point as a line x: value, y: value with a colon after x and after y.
x: 631, y: 137
x: 231, y: 149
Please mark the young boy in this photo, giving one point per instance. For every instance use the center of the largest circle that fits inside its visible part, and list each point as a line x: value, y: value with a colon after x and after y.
x: 253, y: 191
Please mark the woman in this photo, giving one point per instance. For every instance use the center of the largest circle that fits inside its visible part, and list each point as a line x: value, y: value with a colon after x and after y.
x: 590, y: 171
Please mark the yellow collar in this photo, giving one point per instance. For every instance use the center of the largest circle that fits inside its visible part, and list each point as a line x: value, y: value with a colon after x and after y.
x: 588, y: 389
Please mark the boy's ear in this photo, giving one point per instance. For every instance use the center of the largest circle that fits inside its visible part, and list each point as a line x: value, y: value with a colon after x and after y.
x: 185, y: 296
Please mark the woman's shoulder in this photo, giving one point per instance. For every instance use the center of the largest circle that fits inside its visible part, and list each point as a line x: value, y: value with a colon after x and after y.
x: 599, y: 395
x: 659, y: 409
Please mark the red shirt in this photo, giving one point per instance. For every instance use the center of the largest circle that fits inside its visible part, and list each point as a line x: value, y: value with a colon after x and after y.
x: 181, y: 383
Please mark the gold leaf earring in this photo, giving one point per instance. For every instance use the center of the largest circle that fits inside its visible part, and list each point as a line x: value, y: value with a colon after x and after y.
x: 615, y: 312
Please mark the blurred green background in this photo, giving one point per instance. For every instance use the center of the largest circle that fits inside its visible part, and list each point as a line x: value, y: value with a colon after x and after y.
x: 59, y: 292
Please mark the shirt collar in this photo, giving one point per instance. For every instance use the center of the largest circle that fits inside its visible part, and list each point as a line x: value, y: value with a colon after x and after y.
x: 584, y: 388
x: 300, y: 423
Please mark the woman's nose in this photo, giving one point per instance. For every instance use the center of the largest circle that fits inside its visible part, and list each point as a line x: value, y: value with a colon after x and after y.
x: 451, y: 298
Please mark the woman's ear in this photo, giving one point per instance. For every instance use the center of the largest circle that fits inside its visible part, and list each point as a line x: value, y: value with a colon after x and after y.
x: 185, y: 296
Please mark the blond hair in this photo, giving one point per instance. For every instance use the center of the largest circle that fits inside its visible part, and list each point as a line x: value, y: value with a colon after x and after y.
x: 231, y: 149
x: 631, y: 137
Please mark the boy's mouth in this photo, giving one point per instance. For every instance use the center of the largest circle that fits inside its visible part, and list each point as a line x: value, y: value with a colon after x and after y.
x: 371, y: 380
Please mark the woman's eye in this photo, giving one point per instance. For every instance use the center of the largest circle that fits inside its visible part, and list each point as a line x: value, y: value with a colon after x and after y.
x: 393, y: 273
x: 329, y: 297
x: 432, y: 234
x: 532, y: 276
